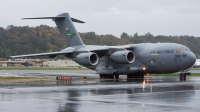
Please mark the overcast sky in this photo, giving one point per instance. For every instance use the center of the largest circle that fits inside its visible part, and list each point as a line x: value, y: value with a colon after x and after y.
x: 159, y: 17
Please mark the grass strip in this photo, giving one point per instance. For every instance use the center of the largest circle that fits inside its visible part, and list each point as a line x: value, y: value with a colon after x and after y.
x: 176, y: 74
x: 40, y: 68
x: 24, y: 79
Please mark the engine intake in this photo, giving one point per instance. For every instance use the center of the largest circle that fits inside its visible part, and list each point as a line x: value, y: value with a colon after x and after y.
x: 87, y: 59
x: 124, y: 57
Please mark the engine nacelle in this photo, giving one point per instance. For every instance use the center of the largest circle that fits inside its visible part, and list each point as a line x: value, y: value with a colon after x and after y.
x: 124, y: 57
x: 87, y: 59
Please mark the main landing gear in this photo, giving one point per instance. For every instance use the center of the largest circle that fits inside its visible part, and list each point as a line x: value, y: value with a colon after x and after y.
x: 112, y: 76
x: 139, y: 75
x: 116, y: 76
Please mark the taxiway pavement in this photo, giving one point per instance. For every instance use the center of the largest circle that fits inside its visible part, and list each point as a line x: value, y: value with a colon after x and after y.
x: 153, y: 93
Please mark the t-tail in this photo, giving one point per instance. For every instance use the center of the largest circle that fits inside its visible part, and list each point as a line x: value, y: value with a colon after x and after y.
x: 66, y: 26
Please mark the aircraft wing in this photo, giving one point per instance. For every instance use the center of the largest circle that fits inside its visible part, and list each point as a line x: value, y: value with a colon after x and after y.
x: 107, y: 48
x: 100, y: 50
x: 50, y: 54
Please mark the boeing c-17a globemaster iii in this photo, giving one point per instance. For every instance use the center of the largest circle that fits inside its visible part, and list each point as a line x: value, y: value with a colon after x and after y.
x: 133, y: 60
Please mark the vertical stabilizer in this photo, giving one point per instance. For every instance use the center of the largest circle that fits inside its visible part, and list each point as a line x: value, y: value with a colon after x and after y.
x: 66, y: 26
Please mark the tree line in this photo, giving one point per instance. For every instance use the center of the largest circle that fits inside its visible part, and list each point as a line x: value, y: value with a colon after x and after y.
x: 43, y: 38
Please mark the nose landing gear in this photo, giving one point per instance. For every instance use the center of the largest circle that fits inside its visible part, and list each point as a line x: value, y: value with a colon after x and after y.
x: 184, y: 73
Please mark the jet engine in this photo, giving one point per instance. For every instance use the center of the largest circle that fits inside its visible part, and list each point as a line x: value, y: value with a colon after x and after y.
x: 124, y: 57
x: 87, y: 59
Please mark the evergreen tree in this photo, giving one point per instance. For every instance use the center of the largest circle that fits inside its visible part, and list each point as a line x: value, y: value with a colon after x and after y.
x: 124, y: 35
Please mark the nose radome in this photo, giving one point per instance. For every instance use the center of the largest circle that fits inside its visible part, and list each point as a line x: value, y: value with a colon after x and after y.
x: 192, y: 59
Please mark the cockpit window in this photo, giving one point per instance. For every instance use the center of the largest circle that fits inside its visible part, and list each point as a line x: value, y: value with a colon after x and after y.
x: 188, y: 49
x: 182, y: 49
x: 179, y: 50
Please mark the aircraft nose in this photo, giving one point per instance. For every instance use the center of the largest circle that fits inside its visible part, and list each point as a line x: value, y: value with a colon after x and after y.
x: 192, y: 59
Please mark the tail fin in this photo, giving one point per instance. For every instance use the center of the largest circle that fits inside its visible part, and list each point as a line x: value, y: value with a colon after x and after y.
x: 65, y: 26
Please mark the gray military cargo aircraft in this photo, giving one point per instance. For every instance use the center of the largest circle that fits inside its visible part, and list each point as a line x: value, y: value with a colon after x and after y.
x: 134, y: 60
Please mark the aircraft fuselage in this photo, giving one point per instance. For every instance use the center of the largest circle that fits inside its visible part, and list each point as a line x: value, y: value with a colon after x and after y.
x: 151, y: 58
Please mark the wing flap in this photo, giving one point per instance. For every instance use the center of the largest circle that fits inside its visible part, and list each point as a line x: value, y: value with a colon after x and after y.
x: 100, y: 50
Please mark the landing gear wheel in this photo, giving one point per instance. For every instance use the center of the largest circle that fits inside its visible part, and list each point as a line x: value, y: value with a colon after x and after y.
x: 116, y: 76
x: 136, y: 76
x: 101, y: 75
x: 182, y: 75
x: 142, y: 76
x: 107, y: 75
x: 111, y: 76
x: 129, y: 75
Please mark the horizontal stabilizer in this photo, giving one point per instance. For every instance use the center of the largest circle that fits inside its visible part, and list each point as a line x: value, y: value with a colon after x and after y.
x: 76, y: 20
x: 57, y: 17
